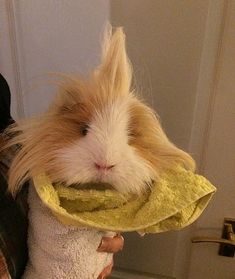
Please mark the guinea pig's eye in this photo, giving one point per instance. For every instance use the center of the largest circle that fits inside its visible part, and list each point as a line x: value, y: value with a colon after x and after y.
x: 132, y: 133
x: 84, y: 129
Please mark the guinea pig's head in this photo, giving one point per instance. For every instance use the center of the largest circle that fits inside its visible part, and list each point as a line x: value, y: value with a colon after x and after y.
x: 97, y: 130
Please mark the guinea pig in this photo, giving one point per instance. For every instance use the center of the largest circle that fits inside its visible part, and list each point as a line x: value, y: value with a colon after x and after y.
x: 96, y: 130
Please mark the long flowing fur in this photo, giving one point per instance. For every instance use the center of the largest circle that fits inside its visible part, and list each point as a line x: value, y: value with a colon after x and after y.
x: 43, y: 137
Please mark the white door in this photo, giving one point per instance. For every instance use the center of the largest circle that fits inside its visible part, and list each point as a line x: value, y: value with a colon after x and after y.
x: 218, y: 158
x: 186, y: 48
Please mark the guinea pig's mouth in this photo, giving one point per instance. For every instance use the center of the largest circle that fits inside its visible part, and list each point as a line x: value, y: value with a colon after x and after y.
x: 90, y: 186
x: 100, y: 186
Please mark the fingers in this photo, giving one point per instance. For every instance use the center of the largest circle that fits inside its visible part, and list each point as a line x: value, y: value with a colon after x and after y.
x: 111, y: 245
x: 106, y: 272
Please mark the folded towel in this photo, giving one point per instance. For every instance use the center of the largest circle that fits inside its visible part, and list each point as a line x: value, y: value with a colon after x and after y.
x: 175, y: 201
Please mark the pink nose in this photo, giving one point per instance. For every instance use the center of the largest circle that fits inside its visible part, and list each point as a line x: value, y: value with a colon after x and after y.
x: 103, y: 166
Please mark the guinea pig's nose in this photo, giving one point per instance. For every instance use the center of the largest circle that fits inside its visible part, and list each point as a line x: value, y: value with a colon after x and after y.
x: 103, y: 166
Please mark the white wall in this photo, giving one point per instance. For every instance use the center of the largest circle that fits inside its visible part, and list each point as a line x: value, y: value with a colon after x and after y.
x: 8, y: 65
x: 50, y: 36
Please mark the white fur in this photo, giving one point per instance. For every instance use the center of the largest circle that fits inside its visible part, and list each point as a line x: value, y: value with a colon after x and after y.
x: 106, y: 143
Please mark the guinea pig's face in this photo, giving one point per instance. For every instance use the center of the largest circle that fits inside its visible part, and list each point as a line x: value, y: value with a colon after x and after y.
x: 104, y: 143
x: 98, y: 123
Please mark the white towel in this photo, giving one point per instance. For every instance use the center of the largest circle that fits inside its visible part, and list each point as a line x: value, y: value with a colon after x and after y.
x: 57, y: 251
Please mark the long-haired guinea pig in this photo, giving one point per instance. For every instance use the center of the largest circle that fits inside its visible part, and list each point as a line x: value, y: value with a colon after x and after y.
x: 96, y: 130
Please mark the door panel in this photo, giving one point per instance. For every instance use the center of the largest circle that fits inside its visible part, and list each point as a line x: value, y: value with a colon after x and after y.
x: 219, y: 160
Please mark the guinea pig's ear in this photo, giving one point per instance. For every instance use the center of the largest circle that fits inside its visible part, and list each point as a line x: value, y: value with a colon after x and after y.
x: 71, y: 92
x: 115, y: 68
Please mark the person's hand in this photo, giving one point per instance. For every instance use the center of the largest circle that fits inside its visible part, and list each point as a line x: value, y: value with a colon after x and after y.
x: 110, y: 245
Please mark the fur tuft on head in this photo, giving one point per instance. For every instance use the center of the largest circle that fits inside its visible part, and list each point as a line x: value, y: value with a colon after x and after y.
x: 96, y: 130
x: 115, y: 70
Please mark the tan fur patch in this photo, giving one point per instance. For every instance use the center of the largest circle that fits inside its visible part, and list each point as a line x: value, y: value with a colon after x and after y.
x: 150, y: 141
